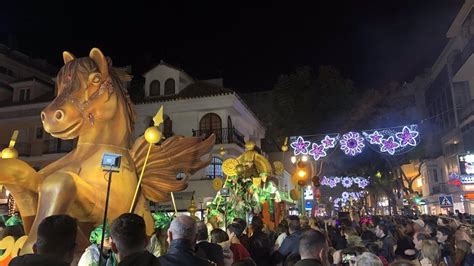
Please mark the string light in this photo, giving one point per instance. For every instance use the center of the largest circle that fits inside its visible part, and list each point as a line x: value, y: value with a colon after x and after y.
x: 391, y: 141
x: 346, y: 181
x: 11, y: 205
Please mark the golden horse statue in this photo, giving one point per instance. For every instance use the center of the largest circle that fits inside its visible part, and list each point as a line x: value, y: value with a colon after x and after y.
x: 93, y: 105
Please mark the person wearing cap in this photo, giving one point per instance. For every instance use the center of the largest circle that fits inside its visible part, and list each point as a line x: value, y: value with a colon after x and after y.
x: 90, y: 257
x: 418, y: 226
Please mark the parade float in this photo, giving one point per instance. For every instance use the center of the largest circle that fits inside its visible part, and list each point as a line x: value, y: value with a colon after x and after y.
x: 92, y: 105
x: 249, y: 188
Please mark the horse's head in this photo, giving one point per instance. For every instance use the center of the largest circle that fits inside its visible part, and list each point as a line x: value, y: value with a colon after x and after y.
x: 89, y: 91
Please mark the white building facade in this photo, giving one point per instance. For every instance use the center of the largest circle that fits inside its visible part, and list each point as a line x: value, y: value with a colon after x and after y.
x: 198, y: 108
x: 449, y: 129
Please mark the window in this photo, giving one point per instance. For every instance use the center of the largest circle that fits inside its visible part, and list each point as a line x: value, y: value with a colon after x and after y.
x: 214, y: 169
x: 211, y: 123
x: 39, y: 133
x: 155, y: 88
x: 434, y: 175
x: 24, y: 95
x: 169, y: 87
x: 168, y: 127
x: 230, y: 131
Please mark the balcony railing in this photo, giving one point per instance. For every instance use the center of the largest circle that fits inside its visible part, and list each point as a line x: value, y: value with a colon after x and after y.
x: 223, y: 135
x: 58, y: 146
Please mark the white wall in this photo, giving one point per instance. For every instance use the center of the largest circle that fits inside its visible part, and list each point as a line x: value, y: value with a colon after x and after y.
x: 161, y: 73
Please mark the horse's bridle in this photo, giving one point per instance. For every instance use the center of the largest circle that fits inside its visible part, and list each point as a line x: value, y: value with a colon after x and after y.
x: 82, y: 106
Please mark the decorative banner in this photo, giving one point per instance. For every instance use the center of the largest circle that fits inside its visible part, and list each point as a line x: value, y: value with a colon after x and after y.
x: 391, y: 141
x: 347, y: 196
x: 318, y: 148
x: 346, y: 181
x: 352, y: 143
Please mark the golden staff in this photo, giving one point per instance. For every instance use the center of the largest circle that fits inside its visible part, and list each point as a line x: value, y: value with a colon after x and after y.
x: 152, y: 136
x: 10, y: 152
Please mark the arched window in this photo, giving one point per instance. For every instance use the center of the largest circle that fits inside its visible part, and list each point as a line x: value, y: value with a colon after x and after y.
x: 169, y: 87
x: 155, y: 88
x: 211, y: 123
x: 215, y: 168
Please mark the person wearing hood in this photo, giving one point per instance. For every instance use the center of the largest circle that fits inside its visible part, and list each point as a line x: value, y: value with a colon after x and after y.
x: 129, y: 241
x: 92, y: 253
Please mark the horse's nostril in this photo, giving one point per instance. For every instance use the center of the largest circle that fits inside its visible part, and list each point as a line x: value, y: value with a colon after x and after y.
x: 43, y: 116
x: 59, y: 114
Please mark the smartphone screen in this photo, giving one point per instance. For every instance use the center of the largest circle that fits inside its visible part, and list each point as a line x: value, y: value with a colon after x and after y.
x: 347, y: 258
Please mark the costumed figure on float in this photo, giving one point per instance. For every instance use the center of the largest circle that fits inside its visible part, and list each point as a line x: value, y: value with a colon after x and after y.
x: 252, y: 189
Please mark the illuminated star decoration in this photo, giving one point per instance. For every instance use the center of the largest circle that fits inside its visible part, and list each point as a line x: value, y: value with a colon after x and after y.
x: 317, y: 151
x: 407, y: 137
x: 352, y: 143
x: 375, y: 138
x: 389, y: 145
x: 300, y: 146
x: 328, y: 142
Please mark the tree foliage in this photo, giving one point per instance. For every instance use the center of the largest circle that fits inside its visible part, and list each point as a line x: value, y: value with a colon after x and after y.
x: 308, y: 102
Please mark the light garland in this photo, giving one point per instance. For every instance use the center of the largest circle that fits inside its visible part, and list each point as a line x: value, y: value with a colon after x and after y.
x: 346, y: 181
x: 394, y: 140
x: 391, y: 141
x: 352, y: 143
x: 317, y: 149
x: 347, y: 196
x: 11, y: 205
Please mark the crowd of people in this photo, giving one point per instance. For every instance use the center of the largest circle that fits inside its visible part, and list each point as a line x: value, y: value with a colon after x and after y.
x: 300, y: 241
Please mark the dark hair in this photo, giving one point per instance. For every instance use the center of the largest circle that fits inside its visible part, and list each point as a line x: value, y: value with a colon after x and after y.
x: 383, y: 227
x: 292, y: 259
x: 128, y: 231
x: 422, y: 236
x: 368, y: 236
x: 257, y: 224
x: 235, y: 228
x: 294, y: 223
x: 218, y: 236
x: 402, y: 262
x: 244, y: 262
x: 57, y: 235
x: 445, y: 231
x: 281, y: 228
x: 312, y: 240
x: 374, y: 248
x: 201, y: 233
x: 240, y: 221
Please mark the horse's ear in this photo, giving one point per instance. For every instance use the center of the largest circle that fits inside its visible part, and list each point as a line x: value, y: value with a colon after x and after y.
x: 100, y: 61
x: 68, y: 57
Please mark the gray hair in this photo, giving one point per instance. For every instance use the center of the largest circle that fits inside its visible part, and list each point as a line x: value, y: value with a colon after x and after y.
x: 368, y: 259
x: 183, y: 227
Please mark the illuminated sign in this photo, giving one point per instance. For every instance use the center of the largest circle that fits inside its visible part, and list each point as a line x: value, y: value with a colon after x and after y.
x: 466, y: 164
x: 467, y: 179
x: 308, y: 194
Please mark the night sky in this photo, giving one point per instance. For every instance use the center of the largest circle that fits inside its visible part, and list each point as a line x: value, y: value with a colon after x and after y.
x: 371, y: 42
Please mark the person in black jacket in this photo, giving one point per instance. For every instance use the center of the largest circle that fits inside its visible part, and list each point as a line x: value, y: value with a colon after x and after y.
x: 205, y: 249
x: 182, y: 237
x: 55, y: 243
x: 129, y: 241
x: 259, y: 243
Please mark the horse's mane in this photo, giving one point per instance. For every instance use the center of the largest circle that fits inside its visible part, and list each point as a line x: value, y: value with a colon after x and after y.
x: 86, y: 65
